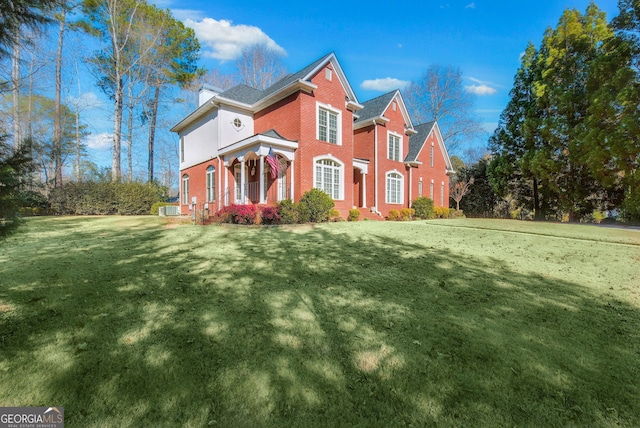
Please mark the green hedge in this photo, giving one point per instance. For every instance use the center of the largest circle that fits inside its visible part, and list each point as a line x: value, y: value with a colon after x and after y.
x: 105, y: 198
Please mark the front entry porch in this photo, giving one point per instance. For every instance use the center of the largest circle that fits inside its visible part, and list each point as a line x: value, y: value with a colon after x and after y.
x: 259, y: 170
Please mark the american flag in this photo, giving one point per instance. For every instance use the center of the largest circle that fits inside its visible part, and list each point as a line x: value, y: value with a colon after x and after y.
x: 273, y: 163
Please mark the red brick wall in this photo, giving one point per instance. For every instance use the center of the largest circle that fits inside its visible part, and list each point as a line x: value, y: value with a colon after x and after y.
x: 295, y: 118
x: 198, y: 185
x: 363, y: 148
x: 437, y: 172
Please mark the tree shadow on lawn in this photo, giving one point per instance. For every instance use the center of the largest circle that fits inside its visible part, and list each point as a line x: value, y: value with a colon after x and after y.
x: 306, y: 326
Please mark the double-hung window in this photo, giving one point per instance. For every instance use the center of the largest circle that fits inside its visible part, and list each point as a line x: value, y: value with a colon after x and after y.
x: 328, y: 177
x: 394, y: 188
x: 185, y: 189
x: 328, y: 125
x: 394, y: 147
x: 211, y: 183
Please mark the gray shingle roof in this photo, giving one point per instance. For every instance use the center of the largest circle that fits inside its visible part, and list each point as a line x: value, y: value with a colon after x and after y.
x: 375, y: 107
x: 249, y: 95
x: 417, y: 140
x: 242, y: 93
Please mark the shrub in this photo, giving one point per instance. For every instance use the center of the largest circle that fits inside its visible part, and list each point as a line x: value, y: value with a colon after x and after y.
x: 394, y: 215
x: 288, y: 212
x: 407, y: 214
x: 105, y: 198
x: 270, y: 215
x: 423, y: 207
x: 354, y: 214
x: 441, y: 212
x: 334, y: 215
x: 315, y: 206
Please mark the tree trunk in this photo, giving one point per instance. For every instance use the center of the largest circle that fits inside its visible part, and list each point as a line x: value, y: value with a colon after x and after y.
x: 130, y: 107
x: 152, y: 129
x: 117, y: 131
x: 15, y: 91
x: 57, y: 119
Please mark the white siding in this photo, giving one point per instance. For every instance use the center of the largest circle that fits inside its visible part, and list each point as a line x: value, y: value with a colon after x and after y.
x: 229, y: 133
x: 200, y: 140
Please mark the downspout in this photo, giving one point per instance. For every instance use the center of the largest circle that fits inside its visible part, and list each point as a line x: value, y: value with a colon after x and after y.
x: 375, y: 169
x: 220, y: 168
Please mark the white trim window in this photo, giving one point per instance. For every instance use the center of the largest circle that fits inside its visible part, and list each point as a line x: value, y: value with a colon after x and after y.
x: 328, y: 177
x: 328, y: 129
x: 211, y: 183
x: 181, y: 149
x: 394, y: 188
x: 185, y: 189
x: 394, y: 146
x: 442, y: 194
x: 431, y: 190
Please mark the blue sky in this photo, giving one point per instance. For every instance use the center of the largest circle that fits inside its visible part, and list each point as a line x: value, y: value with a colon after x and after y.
x: 377, y: 42
x: 380, y: 45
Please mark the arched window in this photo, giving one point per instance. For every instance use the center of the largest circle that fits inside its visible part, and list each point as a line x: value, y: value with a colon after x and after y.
x: 211, y: 183
x: 394, y: 188
x: 185, y: 189
x: 328, y: 177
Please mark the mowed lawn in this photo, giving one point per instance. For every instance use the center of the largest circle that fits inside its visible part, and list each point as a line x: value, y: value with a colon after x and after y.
x: 128, y: 321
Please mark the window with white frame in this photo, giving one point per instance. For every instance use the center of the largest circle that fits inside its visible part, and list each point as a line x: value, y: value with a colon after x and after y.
x: 185, y: 189
x: 328, y: 177
x: 431, y: 190
x: 442, y: 194
x: 328, y: 125
x: 395, y: 147
x: 211, y: 183
x: 420, y: 188
x: 328, y: 74
x: 394, y: 188
x: 181, y: 149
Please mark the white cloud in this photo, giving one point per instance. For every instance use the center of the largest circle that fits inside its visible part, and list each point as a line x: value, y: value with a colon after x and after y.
x: 85, y: 100
x: 480, y: 90
x: 185, y: 14
x: 384, y: 85
x: 225, y: 41
x: 102, y: 141
x: 481, y: 87
x: 470, y: 6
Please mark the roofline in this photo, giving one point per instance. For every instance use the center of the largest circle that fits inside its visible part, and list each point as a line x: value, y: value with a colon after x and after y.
x: 378, y: 120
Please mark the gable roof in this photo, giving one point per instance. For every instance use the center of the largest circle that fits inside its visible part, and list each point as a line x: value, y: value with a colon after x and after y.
x: 252, y: 99
x: 375, y: 107
x: 374, y: 110
x: 418, y: 140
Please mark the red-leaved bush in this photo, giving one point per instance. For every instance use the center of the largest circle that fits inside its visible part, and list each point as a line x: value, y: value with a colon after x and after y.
x: 238, y: 214
x: 270, y: 215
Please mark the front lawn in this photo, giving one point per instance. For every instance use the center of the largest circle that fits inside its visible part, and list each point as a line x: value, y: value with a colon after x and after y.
x: 127, y: 321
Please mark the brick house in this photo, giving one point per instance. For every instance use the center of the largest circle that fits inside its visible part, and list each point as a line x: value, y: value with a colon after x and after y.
x: 247, y: 146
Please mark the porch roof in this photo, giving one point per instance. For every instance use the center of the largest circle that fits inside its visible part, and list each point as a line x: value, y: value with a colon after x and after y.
x: 260, y: 145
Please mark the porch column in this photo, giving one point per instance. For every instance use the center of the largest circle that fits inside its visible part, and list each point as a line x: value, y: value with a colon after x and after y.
x: 226, y: 183
x: 263, y: 200
x: 410, y: 185
x: 364, y: 190
x: 243, y: 182
x: 292, y: 181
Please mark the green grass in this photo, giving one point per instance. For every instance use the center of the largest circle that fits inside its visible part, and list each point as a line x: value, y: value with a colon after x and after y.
x: 126, y: 322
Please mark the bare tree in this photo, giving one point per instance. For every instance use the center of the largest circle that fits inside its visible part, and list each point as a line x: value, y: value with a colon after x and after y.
x: 260, y: 67
x: 439, y: 95
x: 459, y: 190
